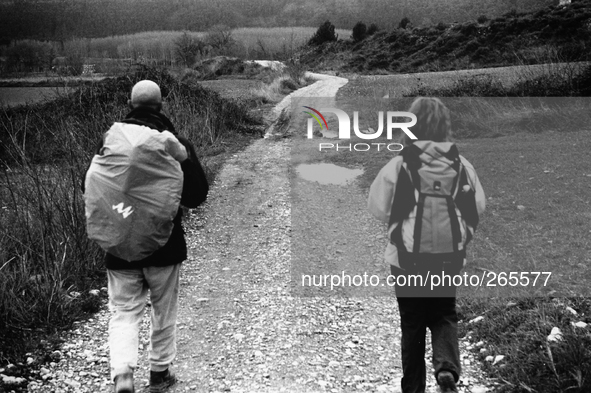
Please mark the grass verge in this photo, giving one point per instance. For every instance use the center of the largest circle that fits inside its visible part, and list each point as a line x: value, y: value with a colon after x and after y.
x: 50, y: 273
x: 536, y: 221
x: 530, y: 156
x: 287, y: 80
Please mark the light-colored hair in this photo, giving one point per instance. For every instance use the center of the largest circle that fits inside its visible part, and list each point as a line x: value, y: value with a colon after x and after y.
x: 433, y: 120
x: 146, y: 93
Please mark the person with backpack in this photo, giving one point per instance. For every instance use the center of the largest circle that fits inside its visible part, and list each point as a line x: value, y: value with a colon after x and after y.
x: 135, y: 190
x: 431, y: 198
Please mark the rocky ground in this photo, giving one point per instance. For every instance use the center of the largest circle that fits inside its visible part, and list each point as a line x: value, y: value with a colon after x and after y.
x: 246, y: 323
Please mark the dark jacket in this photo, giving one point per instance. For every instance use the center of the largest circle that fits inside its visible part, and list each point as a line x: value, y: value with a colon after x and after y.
x: 195, y: 189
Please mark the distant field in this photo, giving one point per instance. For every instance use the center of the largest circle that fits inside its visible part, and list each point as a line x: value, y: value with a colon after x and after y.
x: 14, y: 96
x: 251, y: 43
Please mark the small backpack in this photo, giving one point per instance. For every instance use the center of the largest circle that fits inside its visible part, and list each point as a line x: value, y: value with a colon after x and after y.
x: 432, y: 208
x: 133, y: 190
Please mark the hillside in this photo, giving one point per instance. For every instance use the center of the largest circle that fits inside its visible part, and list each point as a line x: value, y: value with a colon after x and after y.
x: 551, y: 34
x: 63, y: 20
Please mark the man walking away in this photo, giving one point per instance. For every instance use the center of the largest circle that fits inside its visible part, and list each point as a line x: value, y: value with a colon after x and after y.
x: 129, y: 281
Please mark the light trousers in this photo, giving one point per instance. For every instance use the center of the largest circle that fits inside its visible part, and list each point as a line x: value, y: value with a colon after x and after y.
x: 128, y: 290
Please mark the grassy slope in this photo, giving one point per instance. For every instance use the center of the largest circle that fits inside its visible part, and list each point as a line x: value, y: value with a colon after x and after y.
x: 536, y: 220
x: 45, y: 284
x: 550, y: 34
x: 537, y: 206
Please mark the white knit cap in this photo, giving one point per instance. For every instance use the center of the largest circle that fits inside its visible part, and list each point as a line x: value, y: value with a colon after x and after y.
x: 146, y: 93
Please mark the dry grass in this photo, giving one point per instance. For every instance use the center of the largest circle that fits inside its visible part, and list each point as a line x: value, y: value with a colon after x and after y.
x: 276, y: 90
x: 14, y: 96
x: 536, y: 221
x: 47, y: 263
x: 400, y: 85
x: 532, y: 163
x: 242, y: 89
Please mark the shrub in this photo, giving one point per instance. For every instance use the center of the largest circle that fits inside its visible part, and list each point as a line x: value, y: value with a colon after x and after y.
x: 186, y: 49
x: 28, y: 56
x: 288, y: 85
x: 220, y: 38
x: 392, y: 37
x: 511, y: 14
x: 274, y: 91
x: 469, y: 29
x: 404, y: 22
x: 582, y: 82
x: 450, y: 44
x: 394, y: 65
x: 295, y: 69
x: 417, y: 63
x: 75, y: 64
x: 442, y: 26
x: 482, y: 19
x: 359, y: 31
x: 481, y: 53
x: 190, y: 76
x: 472, y: 46
x: 325, y: 33
x: 372, y: 29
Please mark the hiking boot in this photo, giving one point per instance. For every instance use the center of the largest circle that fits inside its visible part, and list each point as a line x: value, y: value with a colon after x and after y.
x: 124, y: 383
x: 161, y: 380
x: 447, y: 382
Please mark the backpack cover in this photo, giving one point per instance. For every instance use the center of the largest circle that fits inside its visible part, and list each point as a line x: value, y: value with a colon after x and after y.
x: 434, y: 208
x: 133, y: 190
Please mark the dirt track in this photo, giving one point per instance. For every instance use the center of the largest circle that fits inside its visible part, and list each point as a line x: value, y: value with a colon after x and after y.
x: 243, y: 325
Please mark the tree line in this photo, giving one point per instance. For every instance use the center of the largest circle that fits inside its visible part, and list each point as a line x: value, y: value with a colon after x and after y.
x: 65, y: 19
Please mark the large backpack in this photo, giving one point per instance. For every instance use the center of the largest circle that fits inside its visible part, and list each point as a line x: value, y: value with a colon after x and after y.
x: 434, y: 208
x: 133, y: 190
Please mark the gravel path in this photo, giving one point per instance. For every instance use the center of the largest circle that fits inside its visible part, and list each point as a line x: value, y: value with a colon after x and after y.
x: 245, y: 324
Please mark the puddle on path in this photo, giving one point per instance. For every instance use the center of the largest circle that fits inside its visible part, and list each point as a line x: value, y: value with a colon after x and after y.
x: 327, y: 173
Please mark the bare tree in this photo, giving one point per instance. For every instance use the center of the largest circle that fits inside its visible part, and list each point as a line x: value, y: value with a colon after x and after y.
x: 187, y: 48
x: 220, y: 37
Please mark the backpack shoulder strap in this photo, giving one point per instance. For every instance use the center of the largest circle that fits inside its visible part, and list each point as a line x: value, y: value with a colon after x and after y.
x: 411, y: 157
x: 465, y: 200
x: 453, y: 155
x: 404, y: 197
